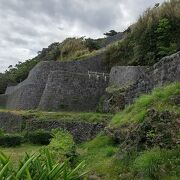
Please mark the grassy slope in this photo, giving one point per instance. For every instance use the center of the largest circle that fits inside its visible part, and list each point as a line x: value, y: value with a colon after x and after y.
x: 159, y: 99
x: 64, y: 116
x: 100, y: 153
x: 99, y: 156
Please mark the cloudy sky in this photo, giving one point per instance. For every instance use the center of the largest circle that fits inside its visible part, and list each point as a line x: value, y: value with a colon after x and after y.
x: 26, y: 26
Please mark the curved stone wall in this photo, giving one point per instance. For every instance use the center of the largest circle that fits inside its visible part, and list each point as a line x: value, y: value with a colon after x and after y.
x: 25, y: 97
x: 27, y: 94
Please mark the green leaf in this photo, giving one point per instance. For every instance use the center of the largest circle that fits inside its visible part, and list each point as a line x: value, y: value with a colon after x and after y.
x: 4, y: 169
x: 23, y: 168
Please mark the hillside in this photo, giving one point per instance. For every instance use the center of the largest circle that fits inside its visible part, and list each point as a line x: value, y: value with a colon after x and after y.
x: 98, y: 109
x: 142, y: 142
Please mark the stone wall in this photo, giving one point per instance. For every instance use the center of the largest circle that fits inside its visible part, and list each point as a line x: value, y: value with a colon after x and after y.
x: 27, y: 94
x: 25, y: 97
x: 11, y: 122
x: 66, y: 85
x: 166, y: 71
x: 112, y: 39
x: 10, y: 89
x: 125, y: 75
x: 72, y: 91
x: 81, y: 131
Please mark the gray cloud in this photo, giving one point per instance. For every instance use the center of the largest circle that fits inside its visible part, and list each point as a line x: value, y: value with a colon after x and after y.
x: 29, y: 25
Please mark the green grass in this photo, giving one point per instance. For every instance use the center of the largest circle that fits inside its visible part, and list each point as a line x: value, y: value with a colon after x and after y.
x: 159, y: 99
x: 16, y: 153
x: 99, y: 155
x: 158, y: 164
x: 64, y: 116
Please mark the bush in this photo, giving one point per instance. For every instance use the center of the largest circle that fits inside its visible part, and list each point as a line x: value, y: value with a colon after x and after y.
x: 8, y: 140
x: 63, y: 143
x: 39, y: 137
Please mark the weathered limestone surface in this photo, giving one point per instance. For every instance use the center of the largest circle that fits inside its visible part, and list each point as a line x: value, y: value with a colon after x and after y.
x: 125, y: 75
x: 72, y: 91
x: 67, y: 86
x: 144, y: 79
x: 10, y: 89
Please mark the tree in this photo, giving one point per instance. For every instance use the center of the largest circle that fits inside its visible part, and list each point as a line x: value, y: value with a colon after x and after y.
x: 165, y: 45
x: 110, y: 33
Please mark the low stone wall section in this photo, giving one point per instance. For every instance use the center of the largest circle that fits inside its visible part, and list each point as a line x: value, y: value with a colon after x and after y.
x: 81, y: 131
x: 10, y: 122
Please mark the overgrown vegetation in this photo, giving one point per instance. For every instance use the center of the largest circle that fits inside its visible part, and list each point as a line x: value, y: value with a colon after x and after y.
x: 137, y: 146
x: 103, y: 163
x: 99, y: 155
x: 159, y: 99
x: 62, y: 145
x: 106, y: 158
x: 155, y: 35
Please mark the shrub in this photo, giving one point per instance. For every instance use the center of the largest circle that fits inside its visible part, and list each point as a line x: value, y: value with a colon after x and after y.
x: 72, y: 48
x: 62, y: 143
x: 39, y: 137
x: 9, y: 140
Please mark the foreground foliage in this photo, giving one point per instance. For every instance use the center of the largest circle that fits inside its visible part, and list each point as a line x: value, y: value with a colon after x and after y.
x: 38, y: 166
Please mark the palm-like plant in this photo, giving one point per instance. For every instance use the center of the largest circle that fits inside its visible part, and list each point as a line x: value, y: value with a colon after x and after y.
x: 40, y: 166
